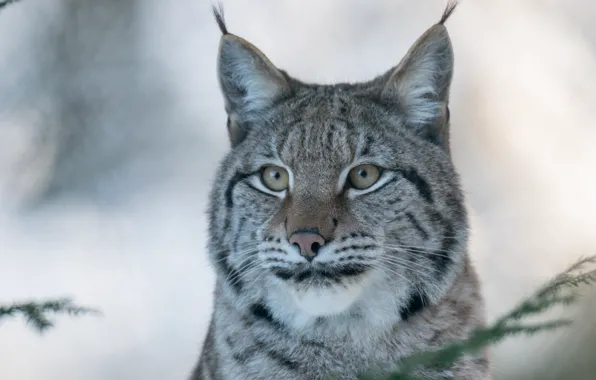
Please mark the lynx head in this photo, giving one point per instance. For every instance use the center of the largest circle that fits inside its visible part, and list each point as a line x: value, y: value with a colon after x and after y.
x: 331, y: 193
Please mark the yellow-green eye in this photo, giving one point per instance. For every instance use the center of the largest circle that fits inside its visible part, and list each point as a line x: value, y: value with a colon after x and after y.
x: 364, y: 176
x: 275, y: 178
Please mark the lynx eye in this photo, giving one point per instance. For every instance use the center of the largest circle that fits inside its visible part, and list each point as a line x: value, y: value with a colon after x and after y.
x: 275, y: 178
x: 364, y: 176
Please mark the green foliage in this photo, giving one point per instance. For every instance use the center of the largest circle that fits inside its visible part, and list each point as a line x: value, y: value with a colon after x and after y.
x: 35, y: 313
x: 4, y: 3
x: 563, y: 290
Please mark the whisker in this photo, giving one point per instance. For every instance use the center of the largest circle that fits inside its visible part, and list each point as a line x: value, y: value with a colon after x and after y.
x: 429, y: 285
x: 436, y: 287
x: 404, y: 265
x: 417, y: 250
x: 257, y: 278
x: 430, y: 253
x: 247, y: 252
x: 398, y: 260
x: 404, y: 261
x: 385, y: 268
x: 244, y: 245
x: 255, y: 267
x: 243, y: 248
x: 243, y: 267
x: 416, y: 247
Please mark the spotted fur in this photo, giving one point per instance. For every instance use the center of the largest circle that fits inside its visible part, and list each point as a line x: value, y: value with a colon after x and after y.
x: 393, y: 277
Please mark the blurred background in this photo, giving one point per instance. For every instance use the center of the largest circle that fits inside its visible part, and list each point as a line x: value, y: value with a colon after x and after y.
x: 111, y: 124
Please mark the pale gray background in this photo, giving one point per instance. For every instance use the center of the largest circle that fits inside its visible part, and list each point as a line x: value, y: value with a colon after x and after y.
x: 111, y: 123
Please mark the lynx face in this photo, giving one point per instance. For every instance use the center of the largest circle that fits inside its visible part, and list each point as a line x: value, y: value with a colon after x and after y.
x: 333, y: 191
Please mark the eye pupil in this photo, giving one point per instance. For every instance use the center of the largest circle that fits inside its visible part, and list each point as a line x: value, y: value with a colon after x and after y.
x: 275, y: 178
x: 364, y: 176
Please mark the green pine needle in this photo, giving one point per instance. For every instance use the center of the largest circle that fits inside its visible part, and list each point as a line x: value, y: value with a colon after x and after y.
x: 6, y: 2
x: 36, y: 313
x: 563, y: 290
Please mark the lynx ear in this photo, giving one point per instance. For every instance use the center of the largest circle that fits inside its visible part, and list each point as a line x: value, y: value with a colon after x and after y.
x: 249, y: 81
x: 419, y: 85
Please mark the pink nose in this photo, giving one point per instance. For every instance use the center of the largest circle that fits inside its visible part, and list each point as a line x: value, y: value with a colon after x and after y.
x: 308, y: 242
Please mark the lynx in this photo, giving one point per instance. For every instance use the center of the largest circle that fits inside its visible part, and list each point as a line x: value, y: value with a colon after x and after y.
x: 338, y: 230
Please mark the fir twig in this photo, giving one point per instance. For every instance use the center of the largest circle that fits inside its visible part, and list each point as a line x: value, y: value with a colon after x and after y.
x: 561, y: 291
x: 4, y: 3
x: 35, y: 313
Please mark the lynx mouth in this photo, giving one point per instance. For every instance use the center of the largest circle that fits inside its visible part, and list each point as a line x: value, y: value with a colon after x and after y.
x: 322, y: 275
x: 323, y: 292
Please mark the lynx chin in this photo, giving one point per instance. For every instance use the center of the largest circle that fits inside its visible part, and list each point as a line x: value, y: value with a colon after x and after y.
x: 337, y: 225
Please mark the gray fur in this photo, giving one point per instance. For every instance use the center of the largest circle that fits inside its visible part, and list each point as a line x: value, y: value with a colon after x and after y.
x: 394, y: 277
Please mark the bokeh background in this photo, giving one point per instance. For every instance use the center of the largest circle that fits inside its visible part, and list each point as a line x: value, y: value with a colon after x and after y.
x: 111, y: 124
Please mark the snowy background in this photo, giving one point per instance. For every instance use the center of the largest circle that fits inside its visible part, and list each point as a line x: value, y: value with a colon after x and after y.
x: 111, y: 123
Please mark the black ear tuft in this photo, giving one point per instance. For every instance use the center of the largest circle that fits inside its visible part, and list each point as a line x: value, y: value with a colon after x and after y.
x: 218, y: 13
x: 451, y: 5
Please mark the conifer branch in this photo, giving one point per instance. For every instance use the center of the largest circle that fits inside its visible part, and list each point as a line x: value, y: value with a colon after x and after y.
x: 4, y: 3
x: 35, y: 313
x: 563, y: 290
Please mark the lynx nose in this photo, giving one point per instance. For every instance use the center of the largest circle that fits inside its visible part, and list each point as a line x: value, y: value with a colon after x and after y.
x: 308, y: 242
